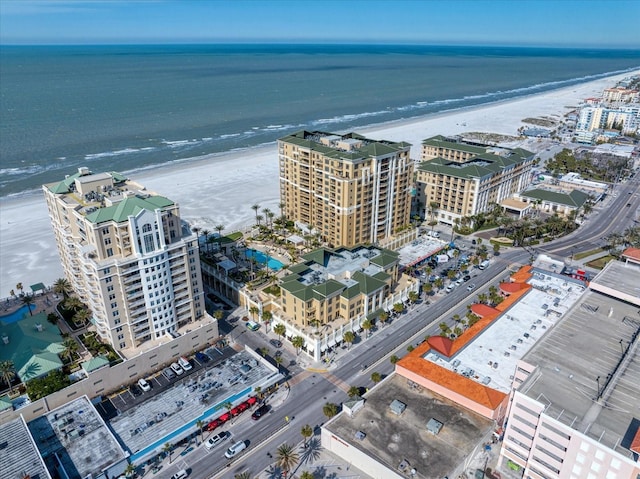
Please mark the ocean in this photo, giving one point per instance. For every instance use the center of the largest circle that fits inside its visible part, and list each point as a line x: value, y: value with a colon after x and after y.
x: 132, y: 107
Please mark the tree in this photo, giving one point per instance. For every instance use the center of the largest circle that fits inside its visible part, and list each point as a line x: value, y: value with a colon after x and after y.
x: 42, y: 386
x: 52, y: 318
x: 398, y: 308
x: 413, y: 296
x: 349, y: 338
x: 266, y: 317
x: 73, y: 303
x: 383, y: 317
x: 19, y: 286
x: 7, y: 373
x: 242, y: 475
x: 219, y: 228
x: 255, y: 208
x: 367, y: 325
x: 206, y: 233
x: 306, y: 431
x: 297, y: 342
x: 410, y: 348
x: 129, y: 470
x: 280, y: 330
x: 28, y: 301
x: 330, y: 409
x: 433, y: 209
x: 168, y: 448
x: 264, y: 351
x: 82, y: 317
x: 253, y: 310
x: 376, y: 377
x: 63, y: 287
x: 394, y: 359
x: 427, y: 288
x: 70, y: 348
x: 278, y: 360
x: 496, y: 248
x: 218, y: 314
x: 353, y: 391
x: 307, y: 475
x: 287, y: 458
x: 200, y: 425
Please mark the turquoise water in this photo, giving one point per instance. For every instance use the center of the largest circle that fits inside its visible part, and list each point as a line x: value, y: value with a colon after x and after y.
x: 191, y: 424
x: 261, y: 258
x: 17, y: 315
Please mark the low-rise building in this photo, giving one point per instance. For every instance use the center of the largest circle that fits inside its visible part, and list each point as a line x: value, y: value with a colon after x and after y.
x: 554, y: 202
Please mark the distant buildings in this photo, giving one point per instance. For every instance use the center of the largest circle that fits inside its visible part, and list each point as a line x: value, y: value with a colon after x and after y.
x: 456, y: 179
x: 349, y: 189
x: 127, y: 255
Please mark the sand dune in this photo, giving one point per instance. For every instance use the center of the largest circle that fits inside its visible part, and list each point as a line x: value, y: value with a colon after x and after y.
x: 221, y: 189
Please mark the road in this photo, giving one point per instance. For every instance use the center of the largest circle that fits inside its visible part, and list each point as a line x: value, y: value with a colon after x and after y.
x: 353, y: 367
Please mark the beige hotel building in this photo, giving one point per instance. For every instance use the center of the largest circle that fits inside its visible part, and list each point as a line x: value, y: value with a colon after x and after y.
x: 464, y: 179
x: 127, y: 256
x: 349, y: 189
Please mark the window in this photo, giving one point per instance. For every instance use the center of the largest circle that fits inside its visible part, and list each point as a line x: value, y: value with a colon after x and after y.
x: 109, y: 252
x: 108, y: 280
x: 107, y: 241
x: 109, y: 288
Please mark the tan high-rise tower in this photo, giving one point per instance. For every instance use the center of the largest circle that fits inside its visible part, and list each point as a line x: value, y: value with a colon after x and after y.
x: 349, y: 189
x: 127, y: 255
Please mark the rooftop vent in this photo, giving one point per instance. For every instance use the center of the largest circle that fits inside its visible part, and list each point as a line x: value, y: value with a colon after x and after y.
x: 38, y: 327
x: 5, y: 339
x: 397, y: 407
x: 434, y: 426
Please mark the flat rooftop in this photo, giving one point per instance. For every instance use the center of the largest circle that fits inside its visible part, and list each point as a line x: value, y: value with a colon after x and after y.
x: 576, y: 359
x: 18, y: 453
x: 145, y: 428
x: 76, y: 434
x: 341, y: 264
x: 419, y: 249
x: 620, y: 280
x: 492, y: 356
x: 390, y: 438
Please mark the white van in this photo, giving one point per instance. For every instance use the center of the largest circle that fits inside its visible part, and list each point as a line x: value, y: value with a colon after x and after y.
x: 235, y: 449
x: 181, y: 474
x: 484, y: 264
x: 184, y: 362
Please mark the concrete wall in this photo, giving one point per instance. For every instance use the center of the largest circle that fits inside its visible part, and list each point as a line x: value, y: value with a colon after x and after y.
x: 356, y: 457
x: 108, y: 380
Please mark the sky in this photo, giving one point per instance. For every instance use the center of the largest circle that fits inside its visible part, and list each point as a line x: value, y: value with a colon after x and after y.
x: 552, y: 23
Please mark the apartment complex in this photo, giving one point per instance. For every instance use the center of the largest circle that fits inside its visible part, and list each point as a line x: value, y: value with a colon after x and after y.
x: 461, y: 180
x: 127, y: 255
x: 574, y: 410
x: 345, y: 283
x: 349, y: 189
x: 624, y: 118
x: 620, y: 94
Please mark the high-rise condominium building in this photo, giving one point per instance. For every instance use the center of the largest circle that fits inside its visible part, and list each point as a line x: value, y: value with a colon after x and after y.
x: 127, y: 256
x: 456, y: 179
x: 347, y: 188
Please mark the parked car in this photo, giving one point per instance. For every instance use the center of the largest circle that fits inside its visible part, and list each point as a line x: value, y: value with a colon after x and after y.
x: 467, y: 277
x: 184, y: 363
x: 177, y: 369
x: 235, y: 449
x: 252, y: 326
x: 168, y: 373
x: 276, y: 343
x: 471, y: 287
x: 213, y: 441
x: 181, y: 474
x: 202, y: 357
x: 144, y: 385
x: 261, y: 411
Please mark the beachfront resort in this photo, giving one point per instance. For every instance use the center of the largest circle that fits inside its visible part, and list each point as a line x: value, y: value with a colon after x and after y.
x: 355, y: 244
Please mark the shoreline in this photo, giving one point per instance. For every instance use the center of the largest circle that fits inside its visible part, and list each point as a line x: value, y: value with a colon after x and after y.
x: 219, y: 189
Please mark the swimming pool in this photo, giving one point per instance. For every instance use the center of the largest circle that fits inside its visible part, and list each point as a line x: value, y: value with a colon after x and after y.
x: 18, y: 314
x: 261, y: 258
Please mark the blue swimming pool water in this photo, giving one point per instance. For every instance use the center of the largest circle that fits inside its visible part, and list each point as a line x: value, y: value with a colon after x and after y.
x: 17, y: 315
x: 179, y: 432
x: 260, y: 257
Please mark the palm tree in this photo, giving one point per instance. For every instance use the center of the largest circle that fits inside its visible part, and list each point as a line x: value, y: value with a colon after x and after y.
x: 383, y: 317
x: 19, y: 286
x: 264, y: 351
x: 63, y: 287
x: 287, y: 458
x: 70, y: 348
x: 349, y: 338
x: 242, y: 475
x: 306, y: 475
x: 82, y: 316
x: 168, y: 447
x: 353, y: 391
x: 73, y: 303
x: 28, y: 300
x: 398, y: 308
x: 7, y: 373
x: 330, y: 409
x: 394, y: 359
x: 255, y: 208
x: 306, y: 431
x: 200, y: 425
x: 219, y: 229
x: 297, y: 342
x: 266, y: 317
x: 280, y: 330
x: 427, y: 288
x: 433, y: 209
x: 413, y: 296
x: 279, y: 361
x: 253, y: 310
x: 367, y: 325
x: 376, y: 378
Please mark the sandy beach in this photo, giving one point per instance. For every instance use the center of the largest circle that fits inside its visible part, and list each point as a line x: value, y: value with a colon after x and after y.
x: 221, y: 189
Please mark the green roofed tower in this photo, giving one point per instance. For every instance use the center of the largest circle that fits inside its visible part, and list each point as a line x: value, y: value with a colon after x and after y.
x: 127, y: 255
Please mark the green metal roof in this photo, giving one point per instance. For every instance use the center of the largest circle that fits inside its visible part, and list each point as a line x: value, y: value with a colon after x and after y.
x: 442, y: 142
x: 575, y: 199
x: 5, y: 402
x: 130, y: 206
x: 385, y: 258
x: 94, y: 363
x: 32, y: 352
x: 480, y: 166
x: 63, y: 186
x: 370, y: 148
x: 368, y: 284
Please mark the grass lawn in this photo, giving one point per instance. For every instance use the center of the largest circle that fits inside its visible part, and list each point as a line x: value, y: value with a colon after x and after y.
x: 600, y: 262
